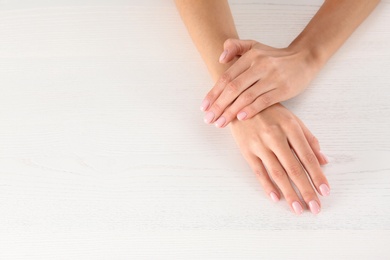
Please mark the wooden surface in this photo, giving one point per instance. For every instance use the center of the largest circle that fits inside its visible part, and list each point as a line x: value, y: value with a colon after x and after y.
x: 104, y: 153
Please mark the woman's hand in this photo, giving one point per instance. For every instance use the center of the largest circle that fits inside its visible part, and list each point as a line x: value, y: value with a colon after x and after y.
x: 279, y: 147
x: 261, y: 77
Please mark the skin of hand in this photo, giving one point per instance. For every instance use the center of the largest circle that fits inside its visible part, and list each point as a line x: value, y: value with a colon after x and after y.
x: 261, y: 77
x: 264, y: 75
x: 266, y: 139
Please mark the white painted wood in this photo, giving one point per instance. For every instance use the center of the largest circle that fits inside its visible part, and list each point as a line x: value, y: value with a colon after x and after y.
x: 104, y: 155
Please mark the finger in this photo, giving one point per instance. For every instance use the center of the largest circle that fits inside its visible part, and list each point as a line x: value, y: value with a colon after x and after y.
x: 280, y: 177
x: 233, y: 48
x: 313, y: 142
x: 233, y: 90
x: 297, y: 174
x: 239, y: 67
x: 244, y: 99
x: 261, y: 102
x: 262, y: 175
x: 309, y: 160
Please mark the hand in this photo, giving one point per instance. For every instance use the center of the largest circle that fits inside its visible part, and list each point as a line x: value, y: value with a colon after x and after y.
x: 261, y: 77
x: 278, y: 146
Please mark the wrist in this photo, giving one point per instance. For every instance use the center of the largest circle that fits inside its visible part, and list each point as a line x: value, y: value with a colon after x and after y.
x: 312, y: 56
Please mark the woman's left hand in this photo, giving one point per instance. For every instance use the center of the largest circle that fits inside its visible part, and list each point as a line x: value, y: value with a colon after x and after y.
x: 261, y: 77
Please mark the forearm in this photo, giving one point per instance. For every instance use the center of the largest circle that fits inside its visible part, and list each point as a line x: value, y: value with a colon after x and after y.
x: 210, y: 24
x: 330, y: 28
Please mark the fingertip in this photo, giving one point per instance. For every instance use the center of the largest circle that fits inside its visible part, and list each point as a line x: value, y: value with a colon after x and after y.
x: 242, y: 115
x: 324, y: 190
x: 324, y: 157
x: 297, y: 207
x: 274, y: 197
x: 220, y: 123
x: 223, y: 56
x: 205, y: 105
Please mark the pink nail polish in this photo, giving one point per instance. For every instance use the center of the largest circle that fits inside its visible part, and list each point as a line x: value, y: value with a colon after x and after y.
x: 220, y: 122
x: 325, y: 191
x: 205, y: 104
x: 326, y: 159
x: 273, y: 196
x: 209, y: 117
x: 223, y: 55
x: 241, y: 116
x: 314, y: 207
x: 297, y: 207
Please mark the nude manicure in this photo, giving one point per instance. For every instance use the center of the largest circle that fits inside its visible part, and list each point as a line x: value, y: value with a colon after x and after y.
x: 205, y: 104
x: 314, y: 207
x: 209, y: 117
x: 220, y: 122
x: 326, y: 159
x: 273, y: 196
x: 297, y: 207
x: 325, y: 191
x: 223, y: 55
x: 241, y: 116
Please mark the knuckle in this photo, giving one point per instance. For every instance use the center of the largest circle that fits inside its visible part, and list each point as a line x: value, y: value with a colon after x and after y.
x: 277, y: 174
x: 272, y: 130
x: 210, y: 95
x: 265, y: 100
x: 295, y: 171
x: 260, y: 173
x: 248, y: 97
x: 291, y: 124
x: 233, y: 86
x: 225, y: 78
x: 310, y: 158
x: 257, y: 52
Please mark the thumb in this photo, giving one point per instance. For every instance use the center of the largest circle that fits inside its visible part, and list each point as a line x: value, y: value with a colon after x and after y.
x: 233, y: 48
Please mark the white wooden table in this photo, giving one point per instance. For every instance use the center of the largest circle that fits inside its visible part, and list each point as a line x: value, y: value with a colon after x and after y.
x: 104, y: 153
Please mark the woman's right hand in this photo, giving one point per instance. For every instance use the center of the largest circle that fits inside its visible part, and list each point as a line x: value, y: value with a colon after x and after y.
x: 279, y: 148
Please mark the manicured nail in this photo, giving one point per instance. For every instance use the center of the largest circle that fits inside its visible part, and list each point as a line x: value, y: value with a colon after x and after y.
x: 223, y: 55
x: 205, y: 105
x: 241, y: 116
x: 208, y: 117
x: 314, y: 207
x: 297, y: 207
x: 220, y: 122
x: 326, y: 159
x: 273, y: 196
x: 325, y: 191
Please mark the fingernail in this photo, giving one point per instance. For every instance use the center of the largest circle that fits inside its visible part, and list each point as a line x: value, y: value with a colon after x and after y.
x: 205, y: 104
x: 220, y: 122
x: 314, y: 207
x: 241, y: 116
x: 223, y: 55
x: 297, y: 207
x: 208, y: 117
x: 273, y: 196
x: 326, y: 159
x: 325, y: 191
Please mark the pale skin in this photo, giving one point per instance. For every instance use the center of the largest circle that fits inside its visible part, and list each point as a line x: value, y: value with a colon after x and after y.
x: 276, y: 144
x: 264, y: 75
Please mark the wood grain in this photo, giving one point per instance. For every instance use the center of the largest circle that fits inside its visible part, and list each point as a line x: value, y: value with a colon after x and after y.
x: 104, y: 155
